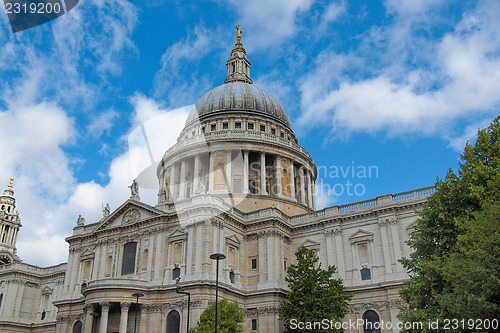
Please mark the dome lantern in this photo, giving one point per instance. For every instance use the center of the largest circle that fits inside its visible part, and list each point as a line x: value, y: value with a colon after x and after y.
x: 238, y: 66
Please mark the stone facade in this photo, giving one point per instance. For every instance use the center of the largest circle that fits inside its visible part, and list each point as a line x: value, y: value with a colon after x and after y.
x: 238, y: 183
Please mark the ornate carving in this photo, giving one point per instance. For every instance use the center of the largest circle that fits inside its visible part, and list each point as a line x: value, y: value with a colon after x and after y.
x: 80, y: 221
x: 134, y: 190
x: 133, y: 215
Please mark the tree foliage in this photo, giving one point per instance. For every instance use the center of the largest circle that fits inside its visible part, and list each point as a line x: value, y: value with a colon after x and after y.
x: 230, y: 316
x: 315, y: 295
x: 455, y: 266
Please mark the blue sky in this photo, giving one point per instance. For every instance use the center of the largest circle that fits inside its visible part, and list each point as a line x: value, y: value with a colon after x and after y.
x: 399, y: 85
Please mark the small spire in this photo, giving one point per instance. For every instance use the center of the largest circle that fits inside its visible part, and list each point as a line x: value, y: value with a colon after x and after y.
x: 238, y: 66
x: 238, y: 36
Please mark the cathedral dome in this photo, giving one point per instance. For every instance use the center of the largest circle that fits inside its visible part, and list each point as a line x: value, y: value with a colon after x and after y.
x: 238, y: 97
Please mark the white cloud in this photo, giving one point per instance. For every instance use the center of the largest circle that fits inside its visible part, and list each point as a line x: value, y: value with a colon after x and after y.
x: 465, y: 70
x: 269, y: 22
x: 102, y: 123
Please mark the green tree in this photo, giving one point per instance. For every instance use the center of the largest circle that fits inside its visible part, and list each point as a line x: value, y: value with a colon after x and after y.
x: 230, y: 317
x: 315, y: 295
x: 455, y: 267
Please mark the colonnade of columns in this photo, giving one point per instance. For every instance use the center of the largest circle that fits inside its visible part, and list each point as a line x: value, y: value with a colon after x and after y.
x: 8, y: 236
x: 104, y: 317
x: 245, y: 172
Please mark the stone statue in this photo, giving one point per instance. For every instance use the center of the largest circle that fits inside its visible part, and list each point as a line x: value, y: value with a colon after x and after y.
x: 80, y: 221
x: 105, y: 211
x: 134, y: 190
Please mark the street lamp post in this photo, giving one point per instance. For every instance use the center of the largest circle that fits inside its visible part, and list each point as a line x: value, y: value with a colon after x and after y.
x: 136, y: 309
x: 217, y: 257
x: 178, y: 290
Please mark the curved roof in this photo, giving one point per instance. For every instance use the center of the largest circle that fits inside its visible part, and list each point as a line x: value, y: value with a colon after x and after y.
x: 238, y: 97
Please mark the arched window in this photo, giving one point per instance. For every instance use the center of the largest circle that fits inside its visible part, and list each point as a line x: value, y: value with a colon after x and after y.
x: 128, y: 264
x: 77, y: 327
x: 371, y: 322
x: 173, y: 322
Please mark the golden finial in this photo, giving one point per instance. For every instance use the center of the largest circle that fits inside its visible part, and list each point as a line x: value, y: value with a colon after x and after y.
x: 11, y: 181
x: 238, y: 35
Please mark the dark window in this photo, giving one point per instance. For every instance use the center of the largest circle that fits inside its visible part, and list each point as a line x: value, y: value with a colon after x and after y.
x: 237, y: 125
x: 128, y: 264
x: 176, y: 273
x: 213, y: 127
x: 284, y: 265
x: 43, y: 315
x: 282, y: 134
x: 366, y: 274
x: 372, y: 322
x: 225, y: 125
x: 262, y: 128
x: 77, y: 327
x: 231, y: 277
x: 173, y: 322
x: 250, y: 126
x: 251, y: 186
x: 273, y: 131
x: 1, y: 299
x: 254, y: 324
x: 203, y: 129
x: 254, y: 263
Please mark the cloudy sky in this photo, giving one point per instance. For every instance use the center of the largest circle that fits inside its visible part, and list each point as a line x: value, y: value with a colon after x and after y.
x: 396, y: 85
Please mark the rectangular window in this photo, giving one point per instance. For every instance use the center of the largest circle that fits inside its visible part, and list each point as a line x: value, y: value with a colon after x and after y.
x: 203, y: 129
x: 262, y: 128
x: 366, y: 274
x: 284, y: 265
x: 282, y: 134
x: 128, y: 264
x: 225, y: 125
x: 254, y: 324
x: 231, y: 277
x: 273, y: 131
x: 237, y: 125
x: 213, y: 127
x: 254, y: 263
x: 250, y: 126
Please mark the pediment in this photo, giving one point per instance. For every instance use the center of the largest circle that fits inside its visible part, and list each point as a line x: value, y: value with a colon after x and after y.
x: 177, y: 234
x: 129, y: 212
x: 46, y: 291
x: 361, y: 235
x: 310, y: 244
x: 233, y: 239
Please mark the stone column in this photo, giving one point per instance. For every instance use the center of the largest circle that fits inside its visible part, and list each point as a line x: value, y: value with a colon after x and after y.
x: 385, y: 246
x: 313, y: 194
x: 211, y: 173
x: 229, y: 177
x: 340, y: 252
x: 263, y: 174
x: 124, y: 316
x: 292, y: 181
x: 329, y: 248
x: 172, y: 183
x: 196, y: 172
x: 278, y: 175
x: 309, y: 189
x: 302, y: 186
x: 89, y: 319
x: 245, y: 172
x: 393, y: 225
x: 103, y: 328
x: 182, y: 180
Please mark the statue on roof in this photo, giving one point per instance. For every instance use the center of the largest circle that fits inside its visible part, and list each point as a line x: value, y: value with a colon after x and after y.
x: 80, y: 221
x: 134, y: 190
x: 106, y: 210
